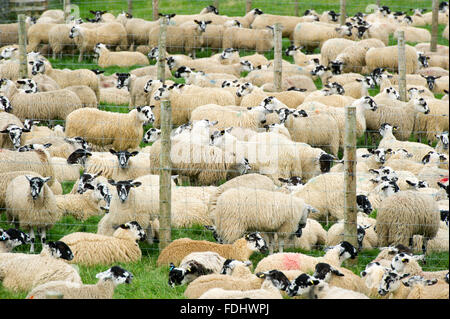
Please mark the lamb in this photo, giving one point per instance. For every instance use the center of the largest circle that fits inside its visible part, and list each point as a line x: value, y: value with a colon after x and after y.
x: 104, y: 289
x: 113, y: 34
x: 319, y: 289
x: 404, y: 117
x: 274, y: 281
x: 311, y: 35
x: 258, y: 40
x: 194, y: 265
x: 44, y: 105
x: 65, y: 78
x: 31, y: 203
x: 107, y: 129
x: 22, y: 272
x: 387, y: 58
x: 81, y: 206
x: 415, y: 213
x: 12, y: 238
x: 334, y: 256
x: 288, y: 220
x: 241, y: 249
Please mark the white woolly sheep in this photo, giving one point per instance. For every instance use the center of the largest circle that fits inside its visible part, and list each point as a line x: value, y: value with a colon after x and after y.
x: 313, y: 235
x: 289, y: 219
x: 42, y: 105
x: 103, y: 289
x: 387, y: 58
x: 22, y: 272
x: 241, y: 249
x: 274, y: 281
x: 31, y: 203
x: 107, y: 58
x: 109, y: 129
x: 113, y: 34
x: 411, y: 213
x: 11, y: 129
x: 288, y: 22
x: 81, y: 206
x: 434, y: 122
x: 12, y: 238
x: 258, y: 40
x: 334, y: 256
x: 94, y: 249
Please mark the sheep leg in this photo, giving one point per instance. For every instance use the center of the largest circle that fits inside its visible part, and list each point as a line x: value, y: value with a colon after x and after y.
x: 43, y: 234
x: 424, y: 247
x: 32, y: 239
x: 271, y: 242
x: 80, y: 57
x: 280, y: 245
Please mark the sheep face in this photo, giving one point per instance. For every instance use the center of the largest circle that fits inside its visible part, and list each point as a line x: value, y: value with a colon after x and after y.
x: 212, y: 9
x: 5, y: 104
x: 325, y: 161
x: 201, y: 25
x: 301, y: 285
x: 177, y: 276
x: 347, y: 251
x: 247, y: 66
x: 136, y: 229
x: 278, y: 279
x: 244, y: 89
x: 123, y: 80
x: 36, y: 185
x: 123, y: 157
x: 14, y: 132
x: 336, y: 66
x: 363, y: 204
x: 31, y: 147
x: 59, y: 249
x: 255, y: 242
x: 123, y: 188
x: 390, y: 282
x: 443, y: 138
x: 78, y: 156
x: 319, y: 70
x: 152, y: 135
x: 431, y: 81
x: 28, y: 85
x: 154, y: 53
x: 75, y: 31
x: 420, y: 105
x: 423, y: 60
x: 228, y: 53
x: 98, y: 47
x: 336, y: 88
x: 379, y: 154
x: 230, y: 264
x: 7, y: 53
x: 105, y: 194
x: 399, y: 261
x: 145, y: 114
x: 149, y: 85
x: 162, y: 93
x: 293, y: 183
x: 324, y: 271
x: 183, y: 72
x: 14, y: 237
x: 433, y: 157
x: 85, y: 182
x: 361, y: 30
x: 360, y: 234
x: 38, y: 66
x: 117, y: 275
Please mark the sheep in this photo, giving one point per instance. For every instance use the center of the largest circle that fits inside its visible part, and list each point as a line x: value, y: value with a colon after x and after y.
x: 22, y: 272
x: 319, y: 289
x: 442, y: 145
x: 258, y: 40
x: 11, y: 129
x: 56, y: 14
x: 313, y: 235
x: 335, y: 256
x: 12, y: 238
x: 270, y: 289
x: 334, y: 100
x: 438, y: 243
x: 336, y: 232
x: 65, y: 78
x: 45, y: 105
x: 436, y: 121
x: 404, y: 117
x: 183, y: 101
x: 81, y: 206
x: 362, y: 104
x: 86, y: 95
x: 58, y: 146
x: 241, y: 278
x: 93, y: 249
x: 107, y: 58
x: 31, y: 203
x: 311, y: 35
x: 200, y: 79
x: 9, y: 32
x: 194, y: 265
x: 423, y: 222
x: 289, y: 219
x: 310, y: 129
x: 241, y: 249
x: 101, y: 128
x: 103, y: 289
x: 38, y: 34
x: 114, y: 96
x: 417, y: 150
x: 288, y: 23
x: 387, y: 57
x: 332, y: 47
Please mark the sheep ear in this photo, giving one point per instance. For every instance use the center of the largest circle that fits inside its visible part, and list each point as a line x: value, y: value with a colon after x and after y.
x: 112, y: 182
x: 123, y: 226
x: 358, y: 80
x: 136, y: 184
x: 112, y: 151
x: 89, y: 186
x: 46, y: 179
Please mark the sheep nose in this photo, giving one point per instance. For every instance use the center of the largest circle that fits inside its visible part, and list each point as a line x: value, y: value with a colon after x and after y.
x: 427, y: 111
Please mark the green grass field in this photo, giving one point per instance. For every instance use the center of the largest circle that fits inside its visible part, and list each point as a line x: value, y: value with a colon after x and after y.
x: 151, y: 281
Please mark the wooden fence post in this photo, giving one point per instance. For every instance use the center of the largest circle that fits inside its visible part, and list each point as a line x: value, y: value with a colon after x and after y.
x: 350, y: 213
x: 130, y: 7
x: 155, y: 8
x: 66, y: 8
x: 401, y: 65
x: 343, y: 12
x: 23, y: 64
x: 434, y: 26
x: 248, y: 6
x: 278, y: 59
x: 165, y: 191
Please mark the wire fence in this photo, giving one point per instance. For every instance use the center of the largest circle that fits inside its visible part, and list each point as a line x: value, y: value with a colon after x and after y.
x: 208, y: 159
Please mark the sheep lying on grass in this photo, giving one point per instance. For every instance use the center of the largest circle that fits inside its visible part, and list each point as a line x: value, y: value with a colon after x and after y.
x: 241, y: 249
x: 22, y: 272
x: 104, y: 289
x: 94, y: 249
x: 12, y: 238
x: 107, y: 58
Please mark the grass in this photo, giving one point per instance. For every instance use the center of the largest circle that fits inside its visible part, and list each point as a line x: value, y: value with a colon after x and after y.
x: 151, y: 281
